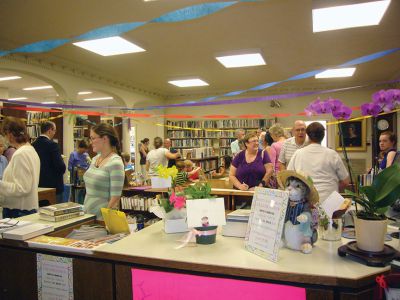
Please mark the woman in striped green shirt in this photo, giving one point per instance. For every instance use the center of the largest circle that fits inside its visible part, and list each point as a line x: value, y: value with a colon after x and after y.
x: 104, y: 179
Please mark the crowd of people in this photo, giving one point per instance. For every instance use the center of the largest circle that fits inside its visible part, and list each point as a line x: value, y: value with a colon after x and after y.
x: 256, y: 159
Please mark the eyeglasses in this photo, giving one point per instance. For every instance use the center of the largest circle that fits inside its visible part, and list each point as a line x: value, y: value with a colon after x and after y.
x: 252, y: 141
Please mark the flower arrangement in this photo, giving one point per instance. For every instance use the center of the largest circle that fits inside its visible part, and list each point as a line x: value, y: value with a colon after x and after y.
x: 177, y: 196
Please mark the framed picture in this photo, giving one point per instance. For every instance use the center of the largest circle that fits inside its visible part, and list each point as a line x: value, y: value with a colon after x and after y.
x: 354, y: 133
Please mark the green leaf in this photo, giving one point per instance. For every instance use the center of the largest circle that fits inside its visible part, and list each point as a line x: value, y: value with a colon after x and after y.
x: 386, y: 182
x: 389, y: 199
x: 369, y: 191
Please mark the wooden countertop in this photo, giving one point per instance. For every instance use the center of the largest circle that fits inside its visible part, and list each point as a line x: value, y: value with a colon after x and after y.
x: 228, y: 256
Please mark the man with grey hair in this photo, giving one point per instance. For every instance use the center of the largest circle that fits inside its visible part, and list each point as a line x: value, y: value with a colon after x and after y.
x: 239, y: 134
x: 167, y: 145
x: 289, y: 147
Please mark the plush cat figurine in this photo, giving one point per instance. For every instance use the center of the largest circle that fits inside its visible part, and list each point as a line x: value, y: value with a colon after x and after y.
x: 300, y: 230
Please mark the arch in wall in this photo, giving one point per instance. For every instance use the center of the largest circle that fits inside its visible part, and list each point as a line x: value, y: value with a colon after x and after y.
x: 56, y: 85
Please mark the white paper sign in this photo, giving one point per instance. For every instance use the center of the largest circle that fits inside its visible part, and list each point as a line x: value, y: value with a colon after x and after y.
x: 332, y: 203
x: 267, y: 217
x: 205, y: 212
x: 54, y: 277
x: 160, y: 183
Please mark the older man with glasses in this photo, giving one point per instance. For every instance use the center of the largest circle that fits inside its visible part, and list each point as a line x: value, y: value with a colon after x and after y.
x: 289, y: 147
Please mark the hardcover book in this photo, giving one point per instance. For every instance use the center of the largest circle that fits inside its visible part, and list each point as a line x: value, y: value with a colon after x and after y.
x: 60, y: 217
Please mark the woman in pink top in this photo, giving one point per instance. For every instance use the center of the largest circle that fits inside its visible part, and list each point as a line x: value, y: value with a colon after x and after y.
x: 278, y: 135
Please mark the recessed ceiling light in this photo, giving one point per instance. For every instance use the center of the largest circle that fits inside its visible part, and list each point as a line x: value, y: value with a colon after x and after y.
x: 188, y: 82
x: 85, y: 93
x: 109, y: 46
x: 99, y: 98
x: 333, y: 73
x: 241, y: 60
x: 49, y: 102
x: 45, y: 87
x: 348, y: 16
x: 10, y: 78
x: 16, y: 99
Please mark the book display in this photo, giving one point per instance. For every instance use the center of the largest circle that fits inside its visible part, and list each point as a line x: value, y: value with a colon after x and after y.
x: 60, y: 211
x: 217, y: 134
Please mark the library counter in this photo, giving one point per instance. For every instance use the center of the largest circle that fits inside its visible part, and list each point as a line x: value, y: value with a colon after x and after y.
x: 322, y: 274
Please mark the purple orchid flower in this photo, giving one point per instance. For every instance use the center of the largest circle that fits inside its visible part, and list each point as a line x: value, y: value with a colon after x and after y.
x: 380, y: 98
x: 370, y: 109
x: 334, y: 104
x: 344, y: 112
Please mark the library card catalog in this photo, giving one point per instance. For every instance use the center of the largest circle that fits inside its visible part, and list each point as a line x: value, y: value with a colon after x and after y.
x: 205, y: 212
x: 267, y: 217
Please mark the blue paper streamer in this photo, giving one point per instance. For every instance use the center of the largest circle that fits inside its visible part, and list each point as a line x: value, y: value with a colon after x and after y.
x: 353, y: 62
x: 184, y: 14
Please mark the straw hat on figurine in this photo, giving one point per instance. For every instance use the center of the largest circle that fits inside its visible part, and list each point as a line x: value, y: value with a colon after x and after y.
x: 284, y: 175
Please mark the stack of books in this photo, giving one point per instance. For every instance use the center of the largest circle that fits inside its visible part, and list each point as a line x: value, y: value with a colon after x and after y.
x: 61, y: 211
x: 236, y: 223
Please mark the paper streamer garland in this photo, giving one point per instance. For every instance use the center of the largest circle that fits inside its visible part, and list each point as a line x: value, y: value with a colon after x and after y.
x: 180, y: 15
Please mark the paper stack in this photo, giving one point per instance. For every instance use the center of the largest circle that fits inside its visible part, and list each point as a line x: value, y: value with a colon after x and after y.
x: 236, y: 223
x: 27, y: 232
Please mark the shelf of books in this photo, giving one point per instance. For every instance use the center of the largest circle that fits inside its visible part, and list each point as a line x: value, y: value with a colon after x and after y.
x: 218, y: 134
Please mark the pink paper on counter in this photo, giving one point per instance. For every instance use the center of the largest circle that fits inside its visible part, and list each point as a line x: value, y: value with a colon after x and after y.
x: 152, y: 285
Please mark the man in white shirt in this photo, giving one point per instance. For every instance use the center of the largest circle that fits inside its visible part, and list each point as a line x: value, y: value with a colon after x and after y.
x: 239, y: 134
x: 289, y: 147
x: 322, y: 164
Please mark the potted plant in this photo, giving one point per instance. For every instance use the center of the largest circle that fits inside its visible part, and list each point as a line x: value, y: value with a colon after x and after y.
x: 371, y: 222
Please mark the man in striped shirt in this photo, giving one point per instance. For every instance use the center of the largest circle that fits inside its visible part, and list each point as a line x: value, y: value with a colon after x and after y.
x: 289, y: 147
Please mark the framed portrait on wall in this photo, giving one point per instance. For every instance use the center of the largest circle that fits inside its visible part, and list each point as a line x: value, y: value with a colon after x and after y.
x: 354, y: 133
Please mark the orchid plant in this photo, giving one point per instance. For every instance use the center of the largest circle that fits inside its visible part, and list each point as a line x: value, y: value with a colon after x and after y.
x: 382, y: 101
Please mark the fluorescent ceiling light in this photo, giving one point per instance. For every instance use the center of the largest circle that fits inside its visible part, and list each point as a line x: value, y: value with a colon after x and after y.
x: 85, y: 93
x: 45, y: 87
x: 16, y: 99
x: 188, y: 82
x: 333, y: 73
x: 9, y: 78
x: 109, y: 46
x: 348, y: 16
x: 49, y: 102
x: 241, y: 60
x: 99, y: 98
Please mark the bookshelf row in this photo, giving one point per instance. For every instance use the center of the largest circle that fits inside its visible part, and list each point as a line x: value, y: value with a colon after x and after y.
x: 220, y: 140
x: 223, y: 124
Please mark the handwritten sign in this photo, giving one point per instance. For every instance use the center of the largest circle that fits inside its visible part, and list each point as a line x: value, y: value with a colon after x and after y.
x: 55, y: 277
x: 264, y: 231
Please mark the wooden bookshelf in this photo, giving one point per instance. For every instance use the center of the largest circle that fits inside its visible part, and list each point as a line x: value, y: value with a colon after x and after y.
x: 185, y: 138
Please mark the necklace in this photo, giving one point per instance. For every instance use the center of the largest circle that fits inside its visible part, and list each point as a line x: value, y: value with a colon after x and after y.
x: 100, y: 161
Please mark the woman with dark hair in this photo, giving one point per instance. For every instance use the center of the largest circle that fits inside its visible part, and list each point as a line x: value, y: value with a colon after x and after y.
x: 143, y: 150
x: 387, y: 144
x: 19, y: 187
x: 104, y: 179
x: 79, y: 157
x: 251, y: 167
